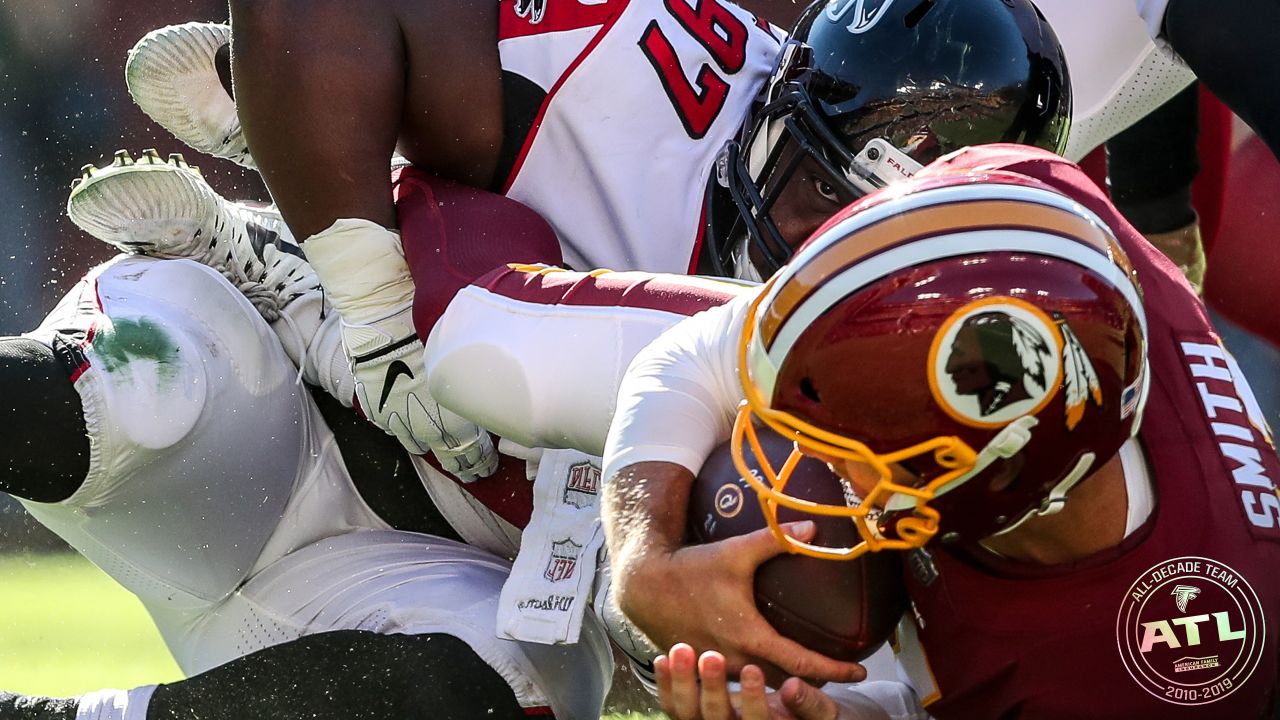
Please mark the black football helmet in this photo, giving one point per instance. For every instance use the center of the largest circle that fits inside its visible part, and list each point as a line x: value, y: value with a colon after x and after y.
x: 873, y: 90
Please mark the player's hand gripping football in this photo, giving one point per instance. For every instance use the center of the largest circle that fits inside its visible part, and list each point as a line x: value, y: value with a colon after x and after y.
x: 702, y: 595
x: 692, y: 687
x: 698, y: 594
x: 362, y: 268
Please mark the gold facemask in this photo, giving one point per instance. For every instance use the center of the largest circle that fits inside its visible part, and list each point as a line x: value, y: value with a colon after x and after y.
x: 951, y: 454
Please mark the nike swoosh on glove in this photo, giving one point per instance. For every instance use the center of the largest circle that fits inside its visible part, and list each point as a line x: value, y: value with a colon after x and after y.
x: 391, y: 388
x: 364, y: 273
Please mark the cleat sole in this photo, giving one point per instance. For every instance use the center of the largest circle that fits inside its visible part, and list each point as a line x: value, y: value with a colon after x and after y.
x: 171, y: 75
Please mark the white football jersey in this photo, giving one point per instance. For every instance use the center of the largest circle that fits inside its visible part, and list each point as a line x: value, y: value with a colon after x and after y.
x: 640, y: 97
x: 1118, y: 74
x: 1152, y: 12
x: 537, y: 355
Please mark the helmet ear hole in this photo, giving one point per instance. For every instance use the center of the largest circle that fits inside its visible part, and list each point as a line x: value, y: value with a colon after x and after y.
x: 1006, y: 473
x: 808, y: 390
x: 917, y: 13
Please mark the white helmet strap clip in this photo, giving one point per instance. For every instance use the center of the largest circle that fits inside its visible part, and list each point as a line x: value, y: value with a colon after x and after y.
x: 880, y: 164
x: 1057, y: 498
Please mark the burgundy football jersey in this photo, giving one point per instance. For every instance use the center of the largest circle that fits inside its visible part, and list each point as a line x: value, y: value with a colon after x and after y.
x: 1180, y: 620
x: 456, y: 236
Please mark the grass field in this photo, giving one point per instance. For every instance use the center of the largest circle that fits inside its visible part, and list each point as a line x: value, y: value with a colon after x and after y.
x: 66, y: 628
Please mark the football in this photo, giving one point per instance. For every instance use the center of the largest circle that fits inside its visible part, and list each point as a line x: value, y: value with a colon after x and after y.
x: 844, y: 609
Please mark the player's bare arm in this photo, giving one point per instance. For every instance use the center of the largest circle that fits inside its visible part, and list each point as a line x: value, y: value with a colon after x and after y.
x: 645, y: 506
x: 700, y: 594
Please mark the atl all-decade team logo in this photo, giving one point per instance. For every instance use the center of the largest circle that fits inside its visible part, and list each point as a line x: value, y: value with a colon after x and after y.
x: 1191, y: 631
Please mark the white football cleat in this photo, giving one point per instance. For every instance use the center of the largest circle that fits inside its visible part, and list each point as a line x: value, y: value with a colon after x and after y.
x: 166, y: 209
x: 173, y: 77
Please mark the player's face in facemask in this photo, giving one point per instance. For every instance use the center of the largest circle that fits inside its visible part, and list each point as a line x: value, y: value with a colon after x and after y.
x: 805, y: 200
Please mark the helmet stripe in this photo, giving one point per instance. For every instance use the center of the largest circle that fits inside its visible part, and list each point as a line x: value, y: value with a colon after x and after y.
x: 842, y: 245
x: 859, y: 275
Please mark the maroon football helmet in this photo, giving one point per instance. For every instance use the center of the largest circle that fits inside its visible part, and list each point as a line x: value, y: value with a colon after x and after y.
x: 974, y: 342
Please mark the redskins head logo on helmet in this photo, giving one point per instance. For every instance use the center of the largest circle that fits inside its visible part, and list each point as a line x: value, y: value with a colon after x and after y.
x: 962, y: 348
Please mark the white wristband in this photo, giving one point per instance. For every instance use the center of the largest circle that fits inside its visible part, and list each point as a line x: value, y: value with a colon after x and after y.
x: 115, y: 704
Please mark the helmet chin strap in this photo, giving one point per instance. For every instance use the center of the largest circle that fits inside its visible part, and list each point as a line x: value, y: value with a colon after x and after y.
x: 1057, y: 498
x: 770, y: 133
x: 743, y: 268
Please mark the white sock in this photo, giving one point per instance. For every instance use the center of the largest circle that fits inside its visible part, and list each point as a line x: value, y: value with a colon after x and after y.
x: 116, y: 704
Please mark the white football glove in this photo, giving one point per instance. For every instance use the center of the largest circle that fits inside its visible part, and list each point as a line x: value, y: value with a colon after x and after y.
x: 362, y: 268
x: 391, y: 387
x: 640, y: 651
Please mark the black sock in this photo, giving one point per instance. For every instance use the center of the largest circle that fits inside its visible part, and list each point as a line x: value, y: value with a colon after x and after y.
x: 30, y: 707
x: 345, y: 675
x: 45, y: 455
x: 1151, y: 165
